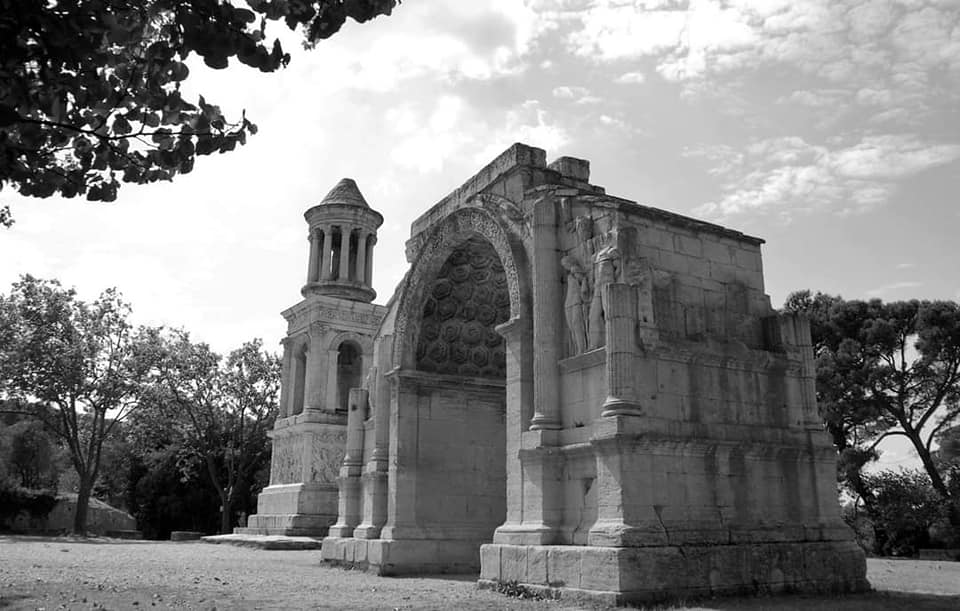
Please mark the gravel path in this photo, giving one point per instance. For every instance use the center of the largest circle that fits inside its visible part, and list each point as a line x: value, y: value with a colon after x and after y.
x: 66, y: 573
x: 103, y: 573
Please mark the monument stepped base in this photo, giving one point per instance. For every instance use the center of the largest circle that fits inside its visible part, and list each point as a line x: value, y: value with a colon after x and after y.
x: 388, y: 557
x: 291, y: 525
x: 271, y: 542
x: 627, y: 575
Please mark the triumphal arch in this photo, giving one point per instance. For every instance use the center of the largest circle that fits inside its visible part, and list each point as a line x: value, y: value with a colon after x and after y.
x: 575, y: 392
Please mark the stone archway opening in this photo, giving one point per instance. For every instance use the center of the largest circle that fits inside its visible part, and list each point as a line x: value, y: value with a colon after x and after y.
x: 461, y: 366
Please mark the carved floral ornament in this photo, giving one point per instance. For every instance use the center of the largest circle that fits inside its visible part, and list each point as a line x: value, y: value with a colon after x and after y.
x: 506, y: 210
x: 444, y: 237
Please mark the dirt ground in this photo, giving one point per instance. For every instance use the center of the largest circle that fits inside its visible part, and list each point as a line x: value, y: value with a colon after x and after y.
x: 66, y: 573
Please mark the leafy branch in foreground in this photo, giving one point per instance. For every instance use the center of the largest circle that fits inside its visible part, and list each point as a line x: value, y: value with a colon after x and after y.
x: 90, y: 89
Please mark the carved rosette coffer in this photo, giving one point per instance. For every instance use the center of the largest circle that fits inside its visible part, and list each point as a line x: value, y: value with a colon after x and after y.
x: 620, y: 309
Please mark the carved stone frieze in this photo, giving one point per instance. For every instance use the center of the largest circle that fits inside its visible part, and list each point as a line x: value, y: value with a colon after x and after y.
x: 337, y: 315
x: 326, y: 455
x: 286, y: 463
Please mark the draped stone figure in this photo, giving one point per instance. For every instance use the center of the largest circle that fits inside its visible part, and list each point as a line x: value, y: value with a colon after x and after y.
x: 576, y: 303
x: 583, y: 227
x: 605, y: 272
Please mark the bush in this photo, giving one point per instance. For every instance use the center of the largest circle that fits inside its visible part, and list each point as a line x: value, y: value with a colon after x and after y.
x: 29, y: 454
x: 15, y: 500
x: 902, y: 509
x: 162, y: 499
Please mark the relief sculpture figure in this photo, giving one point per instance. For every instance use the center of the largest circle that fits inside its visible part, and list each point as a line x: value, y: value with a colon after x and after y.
x: 575, y: 304
x: 605, y: 272
x: 583, y: 227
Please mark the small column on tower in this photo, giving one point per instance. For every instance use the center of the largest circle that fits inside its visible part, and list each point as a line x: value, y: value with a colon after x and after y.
x: 313, y: 267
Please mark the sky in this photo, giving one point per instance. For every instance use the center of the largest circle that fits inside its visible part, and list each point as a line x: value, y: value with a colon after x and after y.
x: 830, y: 128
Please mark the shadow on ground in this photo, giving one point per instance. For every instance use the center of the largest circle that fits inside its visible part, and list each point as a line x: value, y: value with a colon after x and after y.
x: 874, y: 601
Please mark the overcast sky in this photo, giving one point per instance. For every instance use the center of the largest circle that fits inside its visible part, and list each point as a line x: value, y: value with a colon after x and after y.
x: 829, y: 128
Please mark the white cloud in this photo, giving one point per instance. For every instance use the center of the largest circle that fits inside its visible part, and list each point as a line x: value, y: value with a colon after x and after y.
x: 631, y: 78
x: 471, y: 41
x: 452, y: 128
x: 529, y: 123
x: 568, y: 93
x: 437, y: 136
x: 891, y: 156
x: 614, y: 122
x: 616, y: 30
x: 788, y: 175
x: 885, y: 54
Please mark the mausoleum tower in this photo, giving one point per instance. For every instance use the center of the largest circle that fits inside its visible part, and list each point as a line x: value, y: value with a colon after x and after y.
x: 327, y: 351
x: 343, y: 231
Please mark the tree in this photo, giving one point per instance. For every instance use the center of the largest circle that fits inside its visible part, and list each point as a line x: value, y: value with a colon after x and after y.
x: 74, y: 365
x: 90, y: 89
x: 32, y: 455
x: 225, y: 408
x: 886, y: 370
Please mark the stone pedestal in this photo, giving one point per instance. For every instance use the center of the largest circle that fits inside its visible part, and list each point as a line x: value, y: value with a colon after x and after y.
x: 301, y: 499
x: 388, y: 557
x: 631, y: 575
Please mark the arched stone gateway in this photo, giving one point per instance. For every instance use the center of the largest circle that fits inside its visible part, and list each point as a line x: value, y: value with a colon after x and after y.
x: 427, y: 494
x: 575, y: 392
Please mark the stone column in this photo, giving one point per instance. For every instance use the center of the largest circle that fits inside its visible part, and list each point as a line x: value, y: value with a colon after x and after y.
x: 314, y: 264
x: 368, y: 269
x: 325, y: 255
x: 348, y: 510
x: 518, y: 339
x: 402, y: 484
x: 546, y: 315
x: 361, y: 269
x: 375, y: 500
x: 620, y: 308
x: 285, y: 380
x: 345, y: 252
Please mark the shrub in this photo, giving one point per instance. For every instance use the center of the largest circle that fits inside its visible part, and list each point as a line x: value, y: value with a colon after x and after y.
x: 903, y: 507
x: 15, y: 500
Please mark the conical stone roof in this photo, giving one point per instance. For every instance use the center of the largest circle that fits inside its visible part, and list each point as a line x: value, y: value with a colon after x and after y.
x: 345, y: 192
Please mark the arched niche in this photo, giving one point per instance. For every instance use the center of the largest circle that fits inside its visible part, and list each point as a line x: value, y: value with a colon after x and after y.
x: 349, y: 372
x: 299, y: 379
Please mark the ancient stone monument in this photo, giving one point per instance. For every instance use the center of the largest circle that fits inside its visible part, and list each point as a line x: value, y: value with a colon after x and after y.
x: 568, y: 390
x: 328, y: 347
